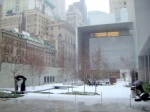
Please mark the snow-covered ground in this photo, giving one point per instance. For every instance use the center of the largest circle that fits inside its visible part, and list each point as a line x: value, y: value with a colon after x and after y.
x: 114, y: 98
x: 110, y: 93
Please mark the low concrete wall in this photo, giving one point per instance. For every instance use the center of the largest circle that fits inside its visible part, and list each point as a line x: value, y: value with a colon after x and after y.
x: 7, y: 80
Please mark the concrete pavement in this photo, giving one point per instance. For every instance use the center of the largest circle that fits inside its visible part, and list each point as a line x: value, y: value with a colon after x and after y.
x: 34, y: 105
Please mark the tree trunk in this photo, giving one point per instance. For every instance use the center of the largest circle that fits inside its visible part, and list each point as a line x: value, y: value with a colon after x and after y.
x: 68, y: 86
x: 39, y: 81
x: 84, y: 83
x: 15, y: 85
x: 95, y: 89
x: 72, y: 86
x: 33, y: 82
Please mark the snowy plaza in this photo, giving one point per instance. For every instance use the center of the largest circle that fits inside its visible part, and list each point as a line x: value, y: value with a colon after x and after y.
x: 111, y: 98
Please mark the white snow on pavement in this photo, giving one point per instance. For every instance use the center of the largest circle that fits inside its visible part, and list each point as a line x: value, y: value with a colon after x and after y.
x: 109, y: 92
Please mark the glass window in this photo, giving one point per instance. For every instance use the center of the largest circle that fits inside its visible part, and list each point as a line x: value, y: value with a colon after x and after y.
x: 47, y: 79
x: 113, y: 34
x: 44, y: 79
x: 101, y: 34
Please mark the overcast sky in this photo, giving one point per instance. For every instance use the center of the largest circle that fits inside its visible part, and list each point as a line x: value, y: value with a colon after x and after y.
x: 1, y: 1
x: 101, y: 5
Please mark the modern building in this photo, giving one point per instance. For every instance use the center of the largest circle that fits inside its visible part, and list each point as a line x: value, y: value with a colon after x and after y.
x: 18, y: 6
x: 74, y: 16
x: 59, y: 8
x: 128, y: 39
x: 142, y: 37
x: 98, y: 17
x: 81, y: 6
x: 114, y: 40
x: 117, y: 5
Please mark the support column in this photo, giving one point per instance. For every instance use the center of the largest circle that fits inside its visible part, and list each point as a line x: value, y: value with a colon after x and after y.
x: 148, y: 64
x: 145, y: 68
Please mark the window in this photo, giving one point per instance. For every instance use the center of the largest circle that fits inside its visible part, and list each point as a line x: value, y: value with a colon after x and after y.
x: 113, y: 34
x: 11, y: 50
x: 101, y: 34
x: 22, y: 52
x: 52, y: 78
x: 48, y: 79
x: 45, y: 79
x: 124, y: 3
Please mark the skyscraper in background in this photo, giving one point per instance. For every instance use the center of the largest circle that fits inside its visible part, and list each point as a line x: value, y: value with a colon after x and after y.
x: 59, y: 8
x: 117, y: 5
x: 11, y: 7
x: 81, y: 6
x: 74, y: 16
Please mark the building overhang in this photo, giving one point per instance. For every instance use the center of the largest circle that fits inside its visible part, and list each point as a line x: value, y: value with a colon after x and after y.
x: 106, y: 27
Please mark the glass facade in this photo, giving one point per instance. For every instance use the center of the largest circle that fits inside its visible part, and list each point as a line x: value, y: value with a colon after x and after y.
x: 114, y: 49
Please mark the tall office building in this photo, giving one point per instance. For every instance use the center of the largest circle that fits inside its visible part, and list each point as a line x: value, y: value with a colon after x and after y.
x: 11, y: 7
x: 117, y: 5
x: 98, y: 17
x: 81, y: 6
x: 74, y: 16
x: 59, y: 8
x: 32, y: 21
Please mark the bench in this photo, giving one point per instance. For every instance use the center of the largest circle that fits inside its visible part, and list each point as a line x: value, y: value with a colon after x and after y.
x: 60, y: 87
x: 103, y: 83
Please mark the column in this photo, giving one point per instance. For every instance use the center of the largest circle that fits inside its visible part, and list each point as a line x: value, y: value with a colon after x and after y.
x: 144, y: 67
x: 148, y: 64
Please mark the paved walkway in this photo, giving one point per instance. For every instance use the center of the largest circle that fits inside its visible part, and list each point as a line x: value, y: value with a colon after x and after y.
x: 114, y: 98
x: 26, y: 105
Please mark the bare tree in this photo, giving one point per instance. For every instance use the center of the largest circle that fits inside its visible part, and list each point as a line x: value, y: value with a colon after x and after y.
x: 84, y: 66
x: 98, y: 65
x: 126, y: 65
x: 16, y: 65
x: 40, y: 67
x: 70, y: 68
x: 32, y: 62
x: 106, y: 71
